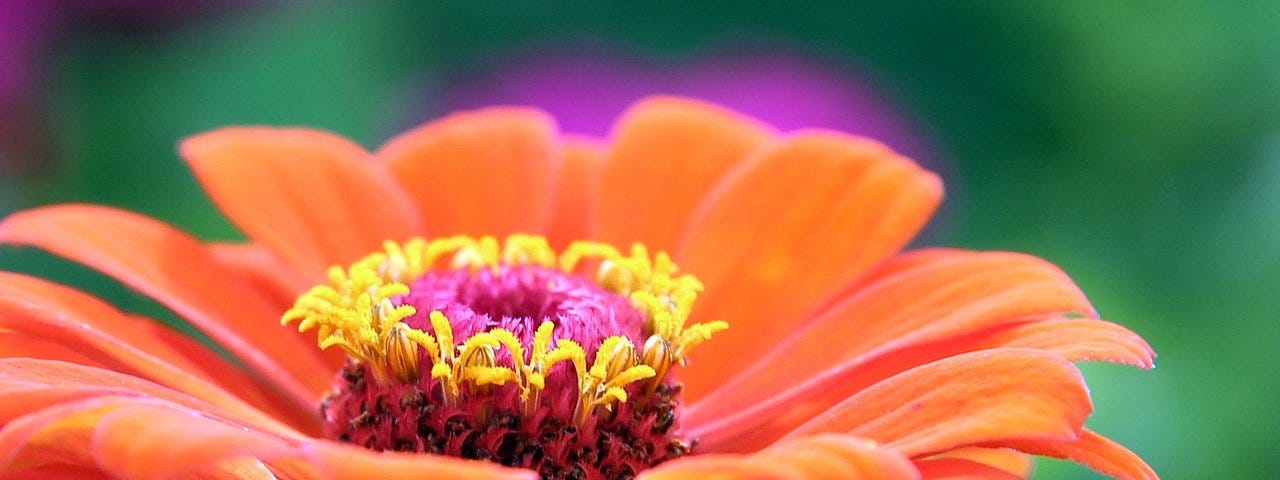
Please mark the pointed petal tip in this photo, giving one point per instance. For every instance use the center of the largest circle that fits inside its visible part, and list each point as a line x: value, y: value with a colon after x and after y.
x: 447, y: 168
x: 812, y: 185
x: 1011, y: 392
x: 1091, y: 450
x: 289, y: 188
x: 928, y: 179
x: 1083, y: 340
x: 518, y: 120
x: 14, y: 228
x: 207, y: 145
x: 665, y: 155
x: 667, y: 105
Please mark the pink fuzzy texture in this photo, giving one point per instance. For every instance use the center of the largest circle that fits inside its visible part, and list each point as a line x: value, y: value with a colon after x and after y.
x: 519, y: 299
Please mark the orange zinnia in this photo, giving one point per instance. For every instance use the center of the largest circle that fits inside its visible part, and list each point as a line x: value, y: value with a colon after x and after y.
x: 822, y: 352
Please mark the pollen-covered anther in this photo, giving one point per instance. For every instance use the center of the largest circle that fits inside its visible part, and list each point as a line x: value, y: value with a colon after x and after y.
x: 668, y: 306
x: 656, y: 353
x: 522, y: 249
x: 477, y: 254
x: 604, y: 384
x: 402, y: 354
x: 456, y: 366
x: 357, y: 315
x: 656, y: 288
x: 531, y: 373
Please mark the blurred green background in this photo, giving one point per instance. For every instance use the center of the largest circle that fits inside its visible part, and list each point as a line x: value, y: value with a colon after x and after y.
x: 1136, y: 145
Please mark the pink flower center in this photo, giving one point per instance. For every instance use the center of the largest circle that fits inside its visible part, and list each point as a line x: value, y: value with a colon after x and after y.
x: 553, y: 435
x: 519, y: 299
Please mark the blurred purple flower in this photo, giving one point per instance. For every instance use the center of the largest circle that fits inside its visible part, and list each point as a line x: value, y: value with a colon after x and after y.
x: 586, y: 92
x: 26, y: 31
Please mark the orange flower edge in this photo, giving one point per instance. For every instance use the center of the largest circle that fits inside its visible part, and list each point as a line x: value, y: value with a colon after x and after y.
x: 843, y: 357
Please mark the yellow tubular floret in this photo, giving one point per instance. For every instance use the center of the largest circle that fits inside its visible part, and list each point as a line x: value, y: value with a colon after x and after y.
x: 605, y: 382
x: 520, y: 249
x: 658, y: 290
x: 472, y: 363
x: 356, y: 312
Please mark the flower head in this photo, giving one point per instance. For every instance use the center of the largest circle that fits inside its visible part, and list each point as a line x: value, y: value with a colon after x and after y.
x: 484, y: 298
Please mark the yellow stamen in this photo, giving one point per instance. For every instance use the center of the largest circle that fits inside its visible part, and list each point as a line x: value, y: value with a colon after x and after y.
x: 355, y: 312
x: 613, y: 370
x: 521, y: 249
x: 531, y: 374
x: 655, y: 287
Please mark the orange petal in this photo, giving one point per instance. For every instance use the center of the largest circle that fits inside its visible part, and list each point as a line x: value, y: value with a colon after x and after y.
x: 892, y: 266
x: 667, y: 153
x: 97, y: 332
x: 948, y: 296
x: 23, y: 345
x: 786, y: 230
x: 70, y: 436
x: 965, y: 400
x: 863, y: 458
x: 773, y: 416
x: 244, y: 468
x: 39, y: 319
x: 818, y: 457
x: 235, y: 380
x: 961, y: 469
x: 312, y: 197
x: 339, y: 462
x: 1012, y: 461
x: 262, y: 269
x: 154, y: 441
x: 44, y: 310
x: 40, y: 308
x: 179, y: 272
x: 57, y: 434
x: 1082, y: 340
x: 27, y: 384
x: 583, y: 159
x: 486, y: 172
x: 1092, y: 450
x: 57, y: 472
x: 130, y: 437
x: 294, y: 468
